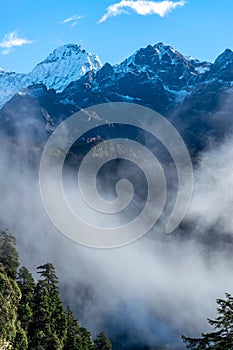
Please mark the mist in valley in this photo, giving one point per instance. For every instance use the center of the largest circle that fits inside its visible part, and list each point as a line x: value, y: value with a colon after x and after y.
x: 149, y: 292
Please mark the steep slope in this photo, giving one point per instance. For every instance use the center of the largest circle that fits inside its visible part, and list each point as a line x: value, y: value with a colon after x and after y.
x: 65, y: 64
x: 157, y: 76
x: 32, y: 114
x: 175, y: 71
x: 10, y: 84
x: 196, y: 96
x: 206, y: 112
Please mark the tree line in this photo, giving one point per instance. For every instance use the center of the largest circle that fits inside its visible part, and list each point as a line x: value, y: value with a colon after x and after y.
x: 32, y: 316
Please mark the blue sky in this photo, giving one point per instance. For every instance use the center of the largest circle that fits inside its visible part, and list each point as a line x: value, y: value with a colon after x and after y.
x: 199, y: 28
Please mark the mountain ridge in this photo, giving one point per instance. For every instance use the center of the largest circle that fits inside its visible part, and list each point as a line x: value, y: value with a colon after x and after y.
x: 194, y: 95
x: 65, y: 64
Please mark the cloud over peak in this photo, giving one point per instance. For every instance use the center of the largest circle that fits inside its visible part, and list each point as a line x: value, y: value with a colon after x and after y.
x: 12, y: 40
x: 141, y: 7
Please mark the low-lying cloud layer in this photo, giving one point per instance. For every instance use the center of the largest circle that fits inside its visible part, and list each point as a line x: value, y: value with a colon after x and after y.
x: 160, y: 287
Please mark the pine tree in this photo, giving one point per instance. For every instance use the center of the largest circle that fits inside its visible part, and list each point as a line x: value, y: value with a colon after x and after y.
x: 39, y: 328
x: 102, y: 342
x: 86, y: 339
x: 222, y: 336
x: 73, y: 339
x: 8, y: 254
x: 58, y: 318
x: 27, y: 286
x: 48, y: 329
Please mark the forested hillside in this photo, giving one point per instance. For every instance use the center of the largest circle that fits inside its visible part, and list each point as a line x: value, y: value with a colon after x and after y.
x: 32, y: 315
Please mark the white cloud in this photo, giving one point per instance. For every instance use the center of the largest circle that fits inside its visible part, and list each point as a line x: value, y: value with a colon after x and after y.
x: 141, y: 7
x: 73, y: 20
x: 12, y: 40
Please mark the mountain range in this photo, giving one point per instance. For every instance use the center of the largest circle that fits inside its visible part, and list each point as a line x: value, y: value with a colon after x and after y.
x: 194, y: 95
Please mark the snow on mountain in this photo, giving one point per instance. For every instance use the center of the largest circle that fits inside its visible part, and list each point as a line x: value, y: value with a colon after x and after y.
x: 222, y: 68
x: 184, y: 89
x: 153, y: 57
x: 65, y: 64
x: 157, y: 76
x: 224, y: 59
x: 162, y: 61
x: 202, y: 69
x: 157, y: 56
x: 10, y: 84
x: 152, y: 74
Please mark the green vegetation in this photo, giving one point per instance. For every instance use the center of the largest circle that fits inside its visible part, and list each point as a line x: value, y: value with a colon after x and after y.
x: 222, y: 336
x: 32, y: 316
x: 102, y: 342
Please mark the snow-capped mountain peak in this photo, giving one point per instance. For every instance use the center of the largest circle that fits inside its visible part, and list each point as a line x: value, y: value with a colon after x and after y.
x: 153, y: 57
x: 226, y: 56
x: 161, y: 49
x: 161, y: 62
x: 222, y: 68
x: 63, y: 52
x: 64, y: 65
